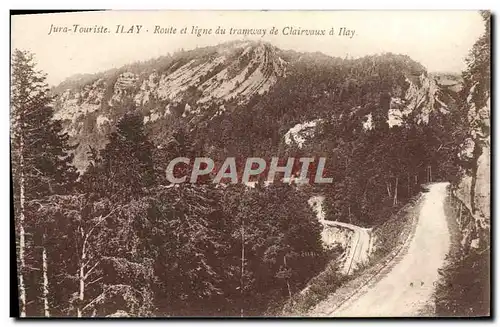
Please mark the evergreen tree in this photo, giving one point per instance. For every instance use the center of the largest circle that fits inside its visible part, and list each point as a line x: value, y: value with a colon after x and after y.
x: 464, y: 288
x: 42, y: 165
x: 125, y: 166
x: 118, y: 177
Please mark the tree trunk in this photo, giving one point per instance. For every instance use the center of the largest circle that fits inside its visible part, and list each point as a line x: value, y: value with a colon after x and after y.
x: 387, y: 185
x: 45, y: 282
x: 409, y: 186
x: 22, y: 287
x: 395, y: 201
x: 242, y: 265
x: 287, y: 281
x: 81, y: 295
x: 366, y: 188
x: 460, y: 218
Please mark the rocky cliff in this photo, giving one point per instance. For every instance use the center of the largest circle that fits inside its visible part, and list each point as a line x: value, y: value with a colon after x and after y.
x: 182, y: 87
x: 415, y: 101
x: 212, y: 86
x: 475, y: 185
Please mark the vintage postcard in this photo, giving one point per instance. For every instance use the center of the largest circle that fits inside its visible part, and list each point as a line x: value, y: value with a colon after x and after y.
x: 251, y: 163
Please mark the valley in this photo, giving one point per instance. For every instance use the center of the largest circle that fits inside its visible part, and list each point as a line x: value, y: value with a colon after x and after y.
x: 131, y: 197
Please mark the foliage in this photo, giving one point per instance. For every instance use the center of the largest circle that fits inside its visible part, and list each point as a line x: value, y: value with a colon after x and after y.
x: 464, y: 287
x: 41, y: 166
x: 121, y: 240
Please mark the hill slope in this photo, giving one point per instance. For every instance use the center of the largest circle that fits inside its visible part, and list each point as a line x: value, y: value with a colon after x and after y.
x: 245, y: 97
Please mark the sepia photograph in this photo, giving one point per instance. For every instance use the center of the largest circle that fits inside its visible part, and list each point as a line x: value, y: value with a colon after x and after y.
x: 290, y: 164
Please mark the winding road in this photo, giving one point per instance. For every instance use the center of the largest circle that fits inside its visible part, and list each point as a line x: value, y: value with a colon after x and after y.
x: 358, y: 251
x: 406, y: 289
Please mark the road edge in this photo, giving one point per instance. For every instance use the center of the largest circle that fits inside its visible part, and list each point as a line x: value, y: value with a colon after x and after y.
x: 386, y: 264
x: 370, y: 275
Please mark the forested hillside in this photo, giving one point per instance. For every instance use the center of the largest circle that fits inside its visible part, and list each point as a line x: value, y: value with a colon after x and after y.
x: 102, y: 232
x: 380, y: 115
x: 469, y: 266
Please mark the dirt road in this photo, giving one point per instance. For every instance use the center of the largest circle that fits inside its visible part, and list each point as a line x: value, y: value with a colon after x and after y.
x: 407, y: 288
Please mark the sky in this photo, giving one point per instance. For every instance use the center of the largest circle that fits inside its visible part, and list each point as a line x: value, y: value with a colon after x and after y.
x: 440, y: 40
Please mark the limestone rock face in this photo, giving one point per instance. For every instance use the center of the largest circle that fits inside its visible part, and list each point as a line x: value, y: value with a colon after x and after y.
x: 183, y: 88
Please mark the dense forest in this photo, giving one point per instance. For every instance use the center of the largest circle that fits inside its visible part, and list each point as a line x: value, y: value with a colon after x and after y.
x: 374, y: 169
x: 465, y: 286
x: 117, y: 239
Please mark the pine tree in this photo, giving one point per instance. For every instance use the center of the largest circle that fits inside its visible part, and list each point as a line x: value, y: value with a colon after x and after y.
x: 111, y: 243
x: 125, y: 166
x: 42, y: 164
